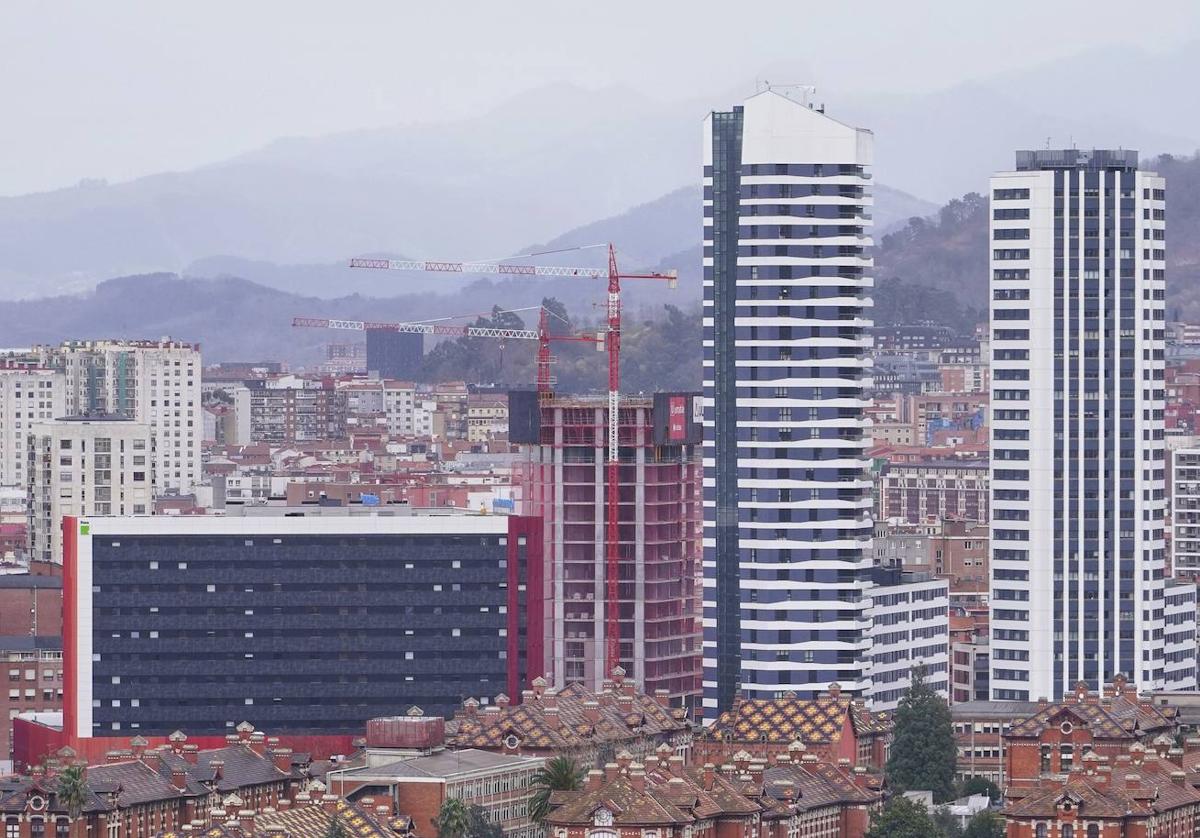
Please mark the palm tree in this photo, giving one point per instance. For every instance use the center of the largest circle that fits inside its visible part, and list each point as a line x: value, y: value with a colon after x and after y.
x: 559, y: 774
x: 453, y: 819
x: 72, y: 790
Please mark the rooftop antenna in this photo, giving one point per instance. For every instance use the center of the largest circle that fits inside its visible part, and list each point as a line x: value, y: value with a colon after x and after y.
x: 789, y: 90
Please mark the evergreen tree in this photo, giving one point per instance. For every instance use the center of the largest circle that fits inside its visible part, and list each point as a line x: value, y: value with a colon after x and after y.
x: 903, y: 818
x: 980, y: 785
x: 987, y: 824
x: 480, y: 826
x: 923, y: 752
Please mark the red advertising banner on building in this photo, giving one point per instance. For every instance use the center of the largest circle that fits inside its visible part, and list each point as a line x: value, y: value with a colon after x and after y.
x: 677, y: 418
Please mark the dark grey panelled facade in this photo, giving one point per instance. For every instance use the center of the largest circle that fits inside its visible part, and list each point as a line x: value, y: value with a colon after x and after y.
x: 396, y: 355
x: 302, y: 633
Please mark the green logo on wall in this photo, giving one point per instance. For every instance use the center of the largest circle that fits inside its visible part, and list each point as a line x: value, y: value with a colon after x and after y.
x: 84, y: 529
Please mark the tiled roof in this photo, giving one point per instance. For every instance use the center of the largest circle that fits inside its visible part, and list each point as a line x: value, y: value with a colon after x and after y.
x: 664, y: 793
x: 819, y: 721
x: 136, y: 782
x: 308, y: 821
x: 620, y: 719
x: 1111, y: 717
x: 1153, y: 791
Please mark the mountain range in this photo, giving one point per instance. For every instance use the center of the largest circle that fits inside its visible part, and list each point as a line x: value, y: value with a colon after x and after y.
x: 550, y: 160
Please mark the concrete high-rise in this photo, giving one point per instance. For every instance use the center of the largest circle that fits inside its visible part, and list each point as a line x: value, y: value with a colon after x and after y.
x: 1077, y: 474
x: 156, y: 382
x: 85, y: 466
x: 787, y: 496
x: 28, y: 393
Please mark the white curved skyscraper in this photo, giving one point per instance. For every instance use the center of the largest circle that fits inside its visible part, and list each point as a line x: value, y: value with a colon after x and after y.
x: 787, y: 495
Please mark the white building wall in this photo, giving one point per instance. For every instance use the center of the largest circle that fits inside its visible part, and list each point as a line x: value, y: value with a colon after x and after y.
x: 1077, y: 465
x: 910, y: 627
x: 26, y: 396
x: 86, y: 468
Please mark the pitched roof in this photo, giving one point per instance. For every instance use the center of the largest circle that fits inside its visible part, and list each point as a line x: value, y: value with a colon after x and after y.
x: 620, y: 718
x: 664, y: 792
x: 308, y: 821
x: 819, y: 721
x: 1118, y: 716
x: 1129, y: 790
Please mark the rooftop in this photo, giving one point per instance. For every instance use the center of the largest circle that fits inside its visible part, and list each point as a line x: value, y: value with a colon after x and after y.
x: 1075, y: 158
x: 445, y: 764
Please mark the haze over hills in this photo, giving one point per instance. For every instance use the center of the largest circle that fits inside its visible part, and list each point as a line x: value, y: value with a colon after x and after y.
x: 930, y: 268
x: 551, y: 160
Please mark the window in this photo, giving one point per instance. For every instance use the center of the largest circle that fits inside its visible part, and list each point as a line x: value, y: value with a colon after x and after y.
x: 1041, y: 830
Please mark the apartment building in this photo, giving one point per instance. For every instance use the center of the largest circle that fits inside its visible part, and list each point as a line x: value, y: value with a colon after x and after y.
x: 787, y: 524
x: 910, y: 628
x: 1078, y: 555
x: 28, y: 394
x: 290, y: 409
x: 1185, y: 512
x: 85, y: 466
x: 932, y: 490
x: 153, y: 382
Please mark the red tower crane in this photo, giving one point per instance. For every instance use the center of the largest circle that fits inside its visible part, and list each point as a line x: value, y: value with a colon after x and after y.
x: 612, y: 626
x: 542, y: 335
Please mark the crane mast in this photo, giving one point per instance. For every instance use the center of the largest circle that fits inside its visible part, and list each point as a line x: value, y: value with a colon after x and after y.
x: 612, y: 342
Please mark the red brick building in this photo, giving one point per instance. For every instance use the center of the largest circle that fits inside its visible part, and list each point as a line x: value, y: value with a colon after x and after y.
x: 741, y: 799
x: 832, y: 727
x: 1055, y: 738
x: 1099, y: 766
x: 141, y: 791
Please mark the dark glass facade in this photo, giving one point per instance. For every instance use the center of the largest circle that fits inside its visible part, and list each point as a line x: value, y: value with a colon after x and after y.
x: 309, y: 634
x: 395, y: 354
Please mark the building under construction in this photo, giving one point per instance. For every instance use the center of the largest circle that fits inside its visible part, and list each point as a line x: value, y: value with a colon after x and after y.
x: 564, y: 449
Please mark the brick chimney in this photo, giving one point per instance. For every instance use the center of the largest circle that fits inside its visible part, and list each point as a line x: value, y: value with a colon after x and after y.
x: 244, y: 730
x: 1133, y: 782
x: 137, y: 746
x: 284, y: 804
x: 595, y: 779
x: 860, y: 776
x: 611, y: 770
x: 282, y: 757
x: 1178, y: 777
x: 176, y: 740
x: 502, y: 701
x: 152, y: 759
x: 675, y: 765
x: 663, y: 697
x: 710, y: 775
x: 329, y: 803
x: 258, y: 743
x: 191, y: 753
x: 757, y: 767
x: 551, y: 716
x: 624, y: 759
x: 591, y: 711
x: 246, y: 821
x: 835, y: 690
x: 625, y: 702
x: 470, y: 708
x: 1175, y: 755
x: 539, y: 686
x: 179, y: 778
x: 549, y: 698
x: 638, y: 780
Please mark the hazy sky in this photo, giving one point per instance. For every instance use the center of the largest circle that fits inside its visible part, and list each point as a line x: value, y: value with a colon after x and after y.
x: 120, y: 89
